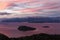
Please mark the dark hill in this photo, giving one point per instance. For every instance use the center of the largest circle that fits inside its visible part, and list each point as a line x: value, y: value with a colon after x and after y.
x: 3, y: 37
x: 41, y: 36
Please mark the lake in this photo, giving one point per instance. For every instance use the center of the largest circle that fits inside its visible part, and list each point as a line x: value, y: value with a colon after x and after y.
x: 10, y: 28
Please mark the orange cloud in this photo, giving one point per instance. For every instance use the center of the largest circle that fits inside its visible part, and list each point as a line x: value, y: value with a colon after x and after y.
x: 3, y: 5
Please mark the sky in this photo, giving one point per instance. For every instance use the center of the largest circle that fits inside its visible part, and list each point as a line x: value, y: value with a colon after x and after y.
x: 29, y: 8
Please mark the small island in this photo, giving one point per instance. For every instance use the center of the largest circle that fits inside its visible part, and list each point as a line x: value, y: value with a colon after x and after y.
x: 26, y: 28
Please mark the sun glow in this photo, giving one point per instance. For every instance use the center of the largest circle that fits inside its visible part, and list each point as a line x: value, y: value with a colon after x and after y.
x: 3, y: 5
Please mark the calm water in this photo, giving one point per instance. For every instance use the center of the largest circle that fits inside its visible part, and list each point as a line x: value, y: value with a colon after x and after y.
x: 10, y: 29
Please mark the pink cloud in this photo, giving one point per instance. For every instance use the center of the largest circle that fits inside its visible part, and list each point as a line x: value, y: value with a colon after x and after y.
x: 19, y: 7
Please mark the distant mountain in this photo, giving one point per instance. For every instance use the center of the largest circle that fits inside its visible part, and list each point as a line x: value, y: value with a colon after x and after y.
x: 44, y: 20
x: 15, y: 20
x: 34, y: 20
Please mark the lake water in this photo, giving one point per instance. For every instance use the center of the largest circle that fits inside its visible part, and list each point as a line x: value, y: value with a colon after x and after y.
x: 10, y: 29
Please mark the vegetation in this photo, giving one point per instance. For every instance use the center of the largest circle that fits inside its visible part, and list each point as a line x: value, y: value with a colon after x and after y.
x: 3, y: 37
x: 40, y: 36
x: 26, y: 28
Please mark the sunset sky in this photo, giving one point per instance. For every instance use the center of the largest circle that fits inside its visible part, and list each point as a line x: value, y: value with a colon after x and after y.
x: 30, y: 8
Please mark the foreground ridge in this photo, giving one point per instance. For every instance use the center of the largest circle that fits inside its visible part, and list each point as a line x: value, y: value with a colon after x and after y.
x: 41, y: 36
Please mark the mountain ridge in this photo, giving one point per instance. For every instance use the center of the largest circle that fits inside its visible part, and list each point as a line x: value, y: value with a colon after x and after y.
x: 34, y: 20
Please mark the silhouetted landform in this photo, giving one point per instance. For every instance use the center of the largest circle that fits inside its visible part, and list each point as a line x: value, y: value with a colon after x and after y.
x: 3, y: 37
x: 41, y: 36
x: 26, y: 28
x: 34, y: 20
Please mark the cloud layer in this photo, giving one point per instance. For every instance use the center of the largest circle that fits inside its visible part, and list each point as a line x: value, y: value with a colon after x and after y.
x: 31, y: 8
